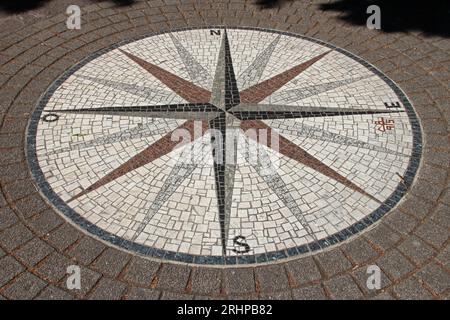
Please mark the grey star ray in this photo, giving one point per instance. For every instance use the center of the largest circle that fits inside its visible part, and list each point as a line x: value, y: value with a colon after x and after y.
x: 306, y: 131
x: 195, y: 70
x: 253, y: 73
x: 298, y: 94
x: 192, y: 111
x: 134, y: 89
x: 190, y: 158
x: 264, y: 167
x: 140, y: 131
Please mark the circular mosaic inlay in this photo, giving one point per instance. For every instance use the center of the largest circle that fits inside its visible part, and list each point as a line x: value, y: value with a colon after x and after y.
x: 224, y: 146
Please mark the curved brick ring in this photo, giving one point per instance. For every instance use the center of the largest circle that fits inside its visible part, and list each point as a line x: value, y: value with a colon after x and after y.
x: 410, y: 244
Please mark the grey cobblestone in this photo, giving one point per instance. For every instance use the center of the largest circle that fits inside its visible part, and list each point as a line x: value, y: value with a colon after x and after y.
x: 383, y: 237
x: 360, y: 251
x: 395, y: 265
x: 2, y: 200
x: 33, y: 252
x: 435, y: 277
x: 15, y: 236
x: 417, y: 207
x: 176, y: 296
x: 303, y: 271
x: 86, y: 250
x: 7, y: 218
x: 26, y: 286
x: 10, y: 268
x: 412, y: 290
x: 416, y: 250
x: 432, y: 233
x: 173, y: 277
x: 21, y: 188
x: 343, y: 288
x: 54, y: 293
x: 383, y: 296
x: 401, y: 222
x: 141, y: 271
x: 281, y: 295
x: 206, y: 281
x: 444, y: 257
x: 441, y: 216
x: 54, y: 267
x: 333, y: 262
x: 45, y: 222
x: 63, y: 237
x: 272, y: 278
x: 239, y: 281
x: 111, y: 262
x: 309, y: 293
x: 142, y: 294
x: 13, y: 172
x: 30, y: 205
x: 108, y: 289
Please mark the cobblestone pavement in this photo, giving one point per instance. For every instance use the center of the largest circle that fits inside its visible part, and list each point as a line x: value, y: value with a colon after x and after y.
x: 37, y: 243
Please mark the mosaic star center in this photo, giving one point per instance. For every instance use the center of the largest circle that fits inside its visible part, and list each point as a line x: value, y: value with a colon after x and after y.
x: 104, y: 145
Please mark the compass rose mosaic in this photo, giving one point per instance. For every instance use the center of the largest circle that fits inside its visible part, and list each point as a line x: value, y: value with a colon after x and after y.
x: 224, y: 146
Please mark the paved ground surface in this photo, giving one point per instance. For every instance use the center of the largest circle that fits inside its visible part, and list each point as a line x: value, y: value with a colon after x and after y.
x: 410, y: 244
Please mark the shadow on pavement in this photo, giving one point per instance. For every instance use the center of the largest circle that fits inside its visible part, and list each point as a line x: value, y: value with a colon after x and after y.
x: 267, y: 4
x: 432, y: 17
x: 18, y: 6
